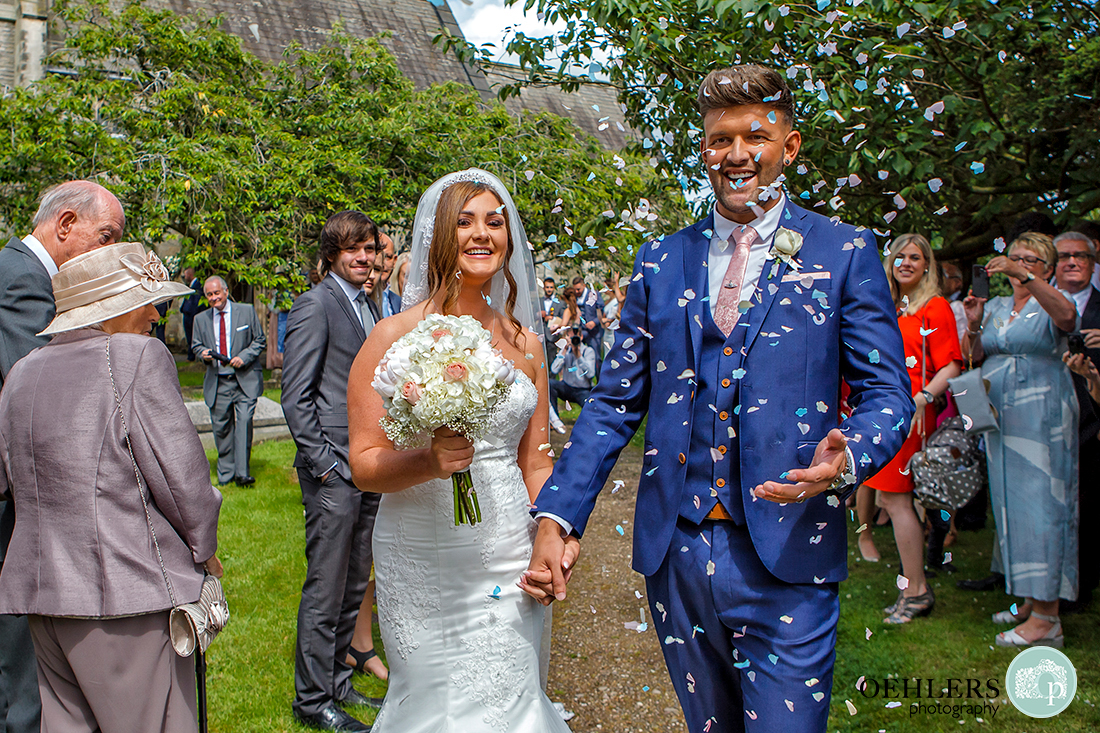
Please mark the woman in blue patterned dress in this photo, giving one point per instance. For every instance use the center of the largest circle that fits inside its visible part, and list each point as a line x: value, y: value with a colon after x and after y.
x: 1033, y: 457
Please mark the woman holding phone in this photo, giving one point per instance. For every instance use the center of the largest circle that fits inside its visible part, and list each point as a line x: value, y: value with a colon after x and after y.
x: 1032, y: 459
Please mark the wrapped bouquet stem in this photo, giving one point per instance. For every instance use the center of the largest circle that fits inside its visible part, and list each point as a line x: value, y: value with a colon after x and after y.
x: 443, y: 373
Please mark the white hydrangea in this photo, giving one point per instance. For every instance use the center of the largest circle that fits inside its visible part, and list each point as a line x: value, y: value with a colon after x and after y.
x: 445, y: 372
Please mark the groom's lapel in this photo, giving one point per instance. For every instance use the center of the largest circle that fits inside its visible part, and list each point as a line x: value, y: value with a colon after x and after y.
x: 793, y: 218
x: 695, y: 253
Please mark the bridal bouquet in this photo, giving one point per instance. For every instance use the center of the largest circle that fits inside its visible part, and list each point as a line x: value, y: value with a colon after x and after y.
x: 443, y: 373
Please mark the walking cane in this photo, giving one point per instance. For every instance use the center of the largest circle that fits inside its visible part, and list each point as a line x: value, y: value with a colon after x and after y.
x: 200, y: 676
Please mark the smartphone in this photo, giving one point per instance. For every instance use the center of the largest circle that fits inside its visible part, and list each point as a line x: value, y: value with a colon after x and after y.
x: 979, y: 282
x: 1076, y: 343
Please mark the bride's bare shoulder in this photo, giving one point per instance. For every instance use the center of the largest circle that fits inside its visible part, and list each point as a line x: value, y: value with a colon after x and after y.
x: 388, y: 330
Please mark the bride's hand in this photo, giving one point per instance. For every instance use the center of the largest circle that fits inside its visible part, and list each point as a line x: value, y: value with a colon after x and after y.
x: 450, y: 453
x: 552, y: 561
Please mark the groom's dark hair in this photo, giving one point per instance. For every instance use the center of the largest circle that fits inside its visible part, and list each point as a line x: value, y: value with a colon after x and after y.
x: 737, y: 86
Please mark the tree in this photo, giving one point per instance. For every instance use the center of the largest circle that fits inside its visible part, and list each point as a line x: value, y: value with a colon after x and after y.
x: 243, y: 161
x: 947, y: 118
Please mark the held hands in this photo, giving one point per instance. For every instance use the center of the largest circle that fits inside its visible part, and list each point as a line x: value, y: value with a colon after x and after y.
x: 236, y: 362
x: 551, y: 566
x: 206, y: 355
x: 450, y: 453
x: 828, y: 463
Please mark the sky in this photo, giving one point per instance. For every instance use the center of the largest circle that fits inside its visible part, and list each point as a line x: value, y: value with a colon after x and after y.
x: 487, y: 21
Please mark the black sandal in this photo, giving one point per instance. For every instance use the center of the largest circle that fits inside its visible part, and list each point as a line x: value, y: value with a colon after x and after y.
x: 361, y: 659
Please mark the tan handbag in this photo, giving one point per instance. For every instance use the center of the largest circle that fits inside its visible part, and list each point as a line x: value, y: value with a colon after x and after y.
x: 190, y: 625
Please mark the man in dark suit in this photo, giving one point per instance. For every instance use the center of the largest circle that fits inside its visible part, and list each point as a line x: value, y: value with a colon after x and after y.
x: 389, y: 301
x: 1073, y: 273
x: 72, y: 218
x: 552, y: 307
x: 190, y: 307
x: 590, y: 305
x: 229, y: 338
x: 325, y: 329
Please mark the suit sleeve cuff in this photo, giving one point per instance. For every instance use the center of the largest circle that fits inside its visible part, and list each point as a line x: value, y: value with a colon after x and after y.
x: 564, y: 524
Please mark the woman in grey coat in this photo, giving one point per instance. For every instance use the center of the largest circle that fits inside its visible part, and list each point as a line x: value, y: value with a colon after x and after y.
x: 82, y: 564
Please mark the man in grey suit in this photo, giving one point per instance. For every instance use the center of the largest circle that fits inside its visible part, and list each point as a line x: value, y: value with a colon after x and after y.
x: 72, y: 218
x: 324, y: 331
x: 229, y: 338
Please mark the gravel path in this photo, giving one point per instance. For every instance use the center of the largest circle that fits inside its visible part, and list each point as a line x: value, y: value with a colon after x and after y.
x: 612, y: 677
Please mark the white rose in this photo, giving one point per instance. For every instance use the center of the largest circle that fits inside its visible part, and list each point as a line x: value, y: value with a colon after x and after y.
x: 787, y: 243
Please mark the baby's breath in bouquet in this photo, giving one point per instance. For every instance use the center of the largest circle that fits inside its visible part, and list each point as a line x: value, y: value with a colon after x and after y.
x: 443, y: 373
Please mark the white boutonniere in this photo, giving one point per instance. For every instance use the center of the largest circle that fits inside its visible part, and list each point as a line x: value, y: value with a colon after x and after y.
x: 786, y: 245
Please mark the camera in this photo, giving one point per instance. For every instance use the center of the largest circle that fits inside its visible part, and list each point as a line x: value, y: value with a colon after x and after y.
x: 575, y: 340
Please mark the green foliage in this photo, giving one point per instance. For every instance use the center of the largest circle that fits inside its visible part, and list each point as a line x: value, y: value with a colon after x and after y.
x: 243, y: 161
x: 1017, y: 81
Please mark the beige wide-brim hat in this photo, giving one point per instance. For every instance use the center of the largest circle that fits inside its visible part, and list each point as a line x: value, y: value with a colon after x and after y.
x: 108, y: 282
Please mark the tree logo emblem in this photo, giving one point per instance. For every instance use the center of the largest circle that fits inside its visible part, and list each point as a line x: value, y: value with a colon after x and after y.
x: 1041, y: 682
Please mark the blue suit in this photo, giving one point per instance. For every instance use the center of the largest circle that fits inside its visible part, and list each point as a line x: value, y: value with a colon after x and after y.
x: 719, y: 589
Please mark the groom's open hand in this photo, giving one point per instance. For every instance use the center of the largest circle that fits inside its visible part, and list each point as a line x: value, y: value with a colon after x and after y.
x: 829, y: 461
x: 551, y: 565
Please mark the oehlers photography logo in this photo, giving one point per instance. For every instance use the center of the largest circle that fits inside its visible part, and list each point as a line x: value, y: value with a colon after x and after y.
x: 953, y: 696
x: 1041, y: 682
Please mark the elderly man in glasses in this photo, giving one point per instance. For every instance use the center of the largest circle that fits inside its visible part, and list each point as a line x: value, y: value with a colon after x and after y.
x: 1076, y: 261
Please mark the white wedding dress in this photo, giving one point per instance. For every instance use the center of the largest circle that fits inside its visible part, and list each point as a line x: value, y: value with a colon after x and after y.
x: 462, y: 641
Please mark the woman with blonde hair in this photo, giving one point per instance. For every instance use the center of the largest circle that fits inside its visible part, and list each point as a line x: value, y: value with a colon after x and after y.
x: 1032, y: 458
x: 932, y: 356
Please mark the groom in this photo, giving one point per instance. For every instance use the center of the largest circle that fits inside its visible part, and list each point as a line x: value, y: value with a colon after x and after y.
x: 735, y: 337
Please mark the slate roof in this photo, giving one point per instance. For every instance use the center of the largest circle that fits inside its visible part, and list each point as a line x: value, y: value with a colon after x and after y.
x: 268, y: 26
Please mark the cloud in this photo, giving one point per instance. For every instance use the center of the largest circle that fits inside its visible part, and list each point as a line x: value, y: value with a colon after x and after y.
x: 490, y: 21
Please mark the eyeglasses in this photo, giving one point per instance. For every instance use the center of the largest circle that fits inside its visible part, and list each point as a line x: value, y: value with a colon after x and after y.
x: 1028, y: 259
x: 1079, y: 256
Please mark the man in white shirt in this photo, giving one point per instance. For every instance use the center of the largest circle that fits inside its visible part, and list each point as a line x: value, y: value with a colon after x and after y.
x: 229, y: 338
x: 72, y: 218
x: 325, y: 330
x: 1074, y: 272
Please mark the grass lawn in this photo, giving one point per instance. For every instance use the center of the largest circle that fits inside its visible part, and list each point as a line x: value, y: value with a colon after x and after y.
x: 251, y: 681
x: 191, y: 374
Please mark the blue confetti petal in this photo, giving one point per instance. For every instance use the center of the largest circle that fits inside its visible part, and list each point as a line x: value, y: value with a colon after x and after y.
x: 873, y: 356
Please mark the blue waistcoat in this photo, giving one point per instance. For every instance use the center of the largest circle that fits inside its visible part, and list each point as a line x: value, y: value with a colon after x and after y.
x: 714, y: 407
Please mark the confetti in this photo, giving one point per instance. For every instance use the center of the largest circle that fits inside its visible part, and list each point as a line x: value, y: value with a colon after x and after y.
x: 851, y: 708
x: 902, y: 582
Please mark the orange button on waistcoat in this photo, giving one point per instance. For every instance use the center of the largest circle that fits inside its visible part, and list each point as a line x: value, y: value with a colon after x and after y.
x: 683, y: 458
x: 725, y: 382
x: 727, y: 351
x: 722, y: 449
x: 723, y: 415
x: 720, y: 482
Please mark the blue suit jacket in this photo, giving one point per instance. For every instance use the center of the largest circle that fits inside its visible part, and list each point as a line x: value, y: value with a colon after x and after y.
x: 802, y: 340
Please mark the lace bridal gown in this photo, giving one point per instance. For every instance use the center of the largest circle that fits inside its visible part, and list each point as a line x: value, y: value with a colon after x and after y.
x: 461, y: 639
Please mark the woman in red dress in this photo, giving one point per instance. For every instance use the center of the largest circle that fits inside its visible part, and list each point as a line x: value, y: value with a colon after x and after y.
x: 933, y: 356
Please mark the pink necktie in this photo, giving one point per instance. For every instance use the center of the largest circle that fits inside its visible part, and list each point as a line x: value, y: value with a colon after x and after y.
x: 726, y: 312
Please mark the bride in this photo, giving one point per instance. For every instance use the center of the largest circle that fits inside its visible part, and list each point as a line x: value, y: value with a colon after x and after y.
x: 462, y: 638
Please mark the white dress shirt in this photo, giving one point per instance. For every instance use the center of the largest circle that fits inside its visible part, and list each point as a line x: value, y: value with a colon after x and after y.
x: 1080, y: 298
x: 352, y: 292
x: 721, y: 251
x: 40, y: 252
